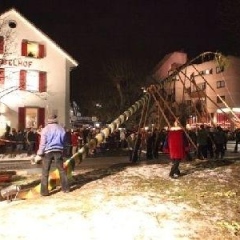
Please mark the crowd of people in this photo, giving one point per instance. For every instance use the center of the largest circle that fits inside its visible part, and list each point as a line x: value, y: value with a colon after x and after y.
x: 180, y: 143
x: 205, y: 142
x: 53, y: 142
x: 15, y: 142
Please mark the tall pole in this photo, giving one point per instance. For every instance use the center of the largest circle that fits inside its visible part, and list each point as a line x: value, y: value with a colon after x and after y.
x: 100, y: 137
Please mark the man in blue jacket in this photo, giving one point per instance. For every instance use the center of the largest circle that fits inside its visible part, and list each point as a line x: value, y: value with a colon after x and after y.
x: 51, y: 148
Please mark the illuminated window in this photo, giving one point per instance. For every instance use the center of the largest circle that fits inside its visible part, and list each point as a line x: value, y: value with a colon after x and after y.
x: 31, y: 118
x: 32, y: 49
x: 220, y: 84
x: 206, y: 72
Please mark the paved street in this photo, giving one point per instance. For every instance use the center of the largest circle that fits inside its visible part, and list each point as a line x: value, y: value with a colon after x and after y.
x: 23, y: 166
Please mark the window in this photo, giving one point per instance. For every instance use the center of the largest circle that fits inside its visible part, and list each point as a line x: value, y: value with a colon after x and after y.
x: 1, y: 44
x: 199, y: 87
x: 188, y: 103
x: 25, y: 80
x: 32, y: 81
x: 206, y: 72
x: 11, y: 78
x: 31, y: 117
x: 12, y: 24
x: 219, y: 69
x: 32, y: 49
x: 220, y: 84
x: 187, y: 90
x: 220, y: 98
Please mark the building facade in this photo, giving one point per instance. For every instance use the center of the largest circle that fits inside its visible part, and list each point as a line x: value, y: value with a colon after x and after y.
x: 215, y: 86
x: 34, y: 75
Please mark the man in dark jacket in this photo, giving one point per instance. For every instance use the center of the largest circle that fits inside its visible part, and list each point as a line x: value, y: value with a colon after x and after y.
x: 51, y: 148
x: 237, y: 139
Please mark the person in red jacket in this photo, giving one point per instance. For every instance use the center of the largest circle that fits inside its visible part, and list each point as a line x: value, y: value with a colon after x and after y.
x: 177, y: 146
x: 74, y: 141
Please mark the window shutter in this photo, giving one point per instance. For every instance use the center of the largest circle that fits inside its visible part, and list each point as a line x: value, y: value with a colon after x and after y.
x: 2, y: 75
x: 1, y: 44
x: 24, y: 48
x: 42, y: 81
x: 21, y: 118
x: 41, y: 117
x: 41, y: 52
x: 22, y: 81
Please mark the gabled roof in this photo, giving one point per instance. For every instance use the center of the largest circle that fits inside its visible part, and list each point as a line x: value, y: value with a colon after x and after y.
x: 37, y: 30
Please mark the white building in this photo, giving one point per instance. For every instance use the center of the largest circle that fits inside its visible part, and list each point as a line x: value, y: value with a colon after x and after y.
x: 216, y: 86
x: 34, y: 75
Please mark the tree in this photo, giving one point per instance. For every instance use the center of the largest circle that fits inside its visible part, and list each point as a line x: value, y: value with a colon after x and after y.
x: 126, y: 78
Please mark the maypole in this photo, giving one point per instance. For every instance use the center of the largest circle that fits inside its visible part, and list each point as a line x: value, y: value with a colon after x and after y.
x: 82, y: 153
x: 100, y: 137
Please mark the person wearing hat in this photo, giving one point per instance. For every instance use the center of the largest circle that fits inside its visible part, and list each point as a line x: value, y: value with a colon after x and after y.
x: 51, y: 148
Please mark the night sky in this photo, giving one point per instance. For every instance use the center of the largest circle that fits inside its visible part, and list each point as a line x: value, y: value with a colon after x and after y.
x: 92, y: 31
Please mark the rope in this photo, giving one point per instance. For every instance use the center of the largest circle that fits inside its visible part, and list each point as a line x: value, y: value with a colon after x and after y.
x: 10, y: 141
x: 194, y: 106
x: 153, y: 89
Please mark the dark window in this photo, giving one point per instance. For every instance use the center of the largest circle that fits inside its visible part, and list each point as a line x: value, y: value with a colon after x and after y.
x: 220, y: 98
x: 188, y: 102
x: 12, y: 24
x: 220, y: 84
x: 219, y: 69
x: 199, y: 87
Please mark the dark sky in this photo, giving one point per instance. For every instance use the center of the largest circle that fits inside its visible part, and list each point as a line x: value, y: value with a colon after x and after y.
x: 95, y: 30
x: 100, y: 28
